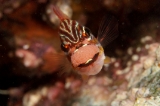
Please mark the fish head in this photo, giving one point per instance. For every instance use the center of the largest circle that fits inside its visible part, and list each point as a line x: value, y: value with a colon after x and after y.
x: 82, y: 48
x: 73, y: 35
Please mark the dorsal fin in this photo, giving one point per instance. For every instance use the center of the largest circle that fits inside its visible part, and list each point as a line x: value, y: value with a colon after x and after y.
x: 59, y: 13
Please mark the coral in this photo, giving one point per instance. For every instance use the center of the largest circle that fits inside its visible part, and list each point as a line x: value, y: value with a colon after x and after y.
x: 8, y: 6
x: 53, y: 94
x: 143, y: 78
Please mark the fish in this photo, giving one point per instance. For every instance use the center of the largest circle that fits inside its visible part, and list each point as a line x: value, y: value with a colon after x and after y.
x: 85, y: 51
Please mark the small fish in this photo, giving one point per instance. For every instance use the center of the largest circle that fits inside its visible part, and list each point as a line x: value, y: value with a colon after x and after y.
x: 83, y: 50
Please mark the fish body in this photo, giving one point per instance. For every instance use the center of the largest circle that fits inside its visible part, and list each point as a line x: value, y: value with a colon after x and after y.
x: 83, y: 50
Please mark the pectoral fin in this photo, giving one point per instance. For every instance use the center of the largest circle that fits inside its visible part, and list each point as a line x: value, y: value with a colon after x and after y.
x: 107, y: 60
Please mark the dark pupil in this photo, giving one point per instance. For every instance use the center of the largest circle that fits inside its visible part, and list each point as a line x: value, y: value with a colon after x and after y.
x: 87, y: 31
x: 63, y: 48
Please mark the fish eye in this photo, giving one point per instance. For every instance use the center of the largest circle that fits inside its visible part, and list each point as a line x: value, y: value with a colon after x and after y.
x: 65, y: 48
x: 87, y: 30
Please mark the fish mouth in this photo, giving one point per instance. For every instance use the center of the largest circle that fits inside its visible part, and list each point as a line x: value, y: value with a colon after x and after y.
x: 90, y: 61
